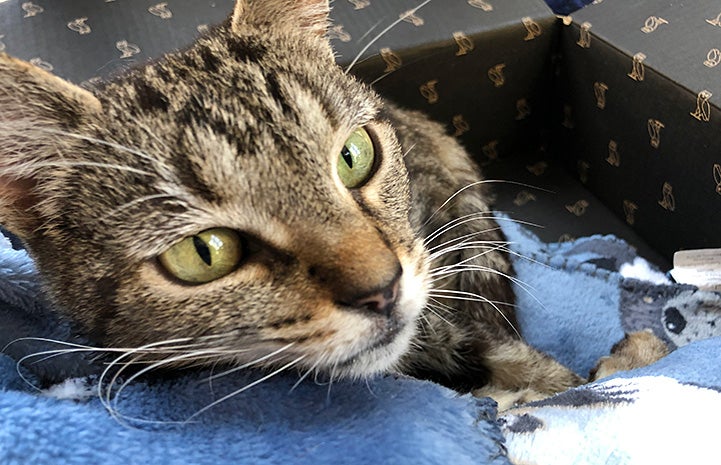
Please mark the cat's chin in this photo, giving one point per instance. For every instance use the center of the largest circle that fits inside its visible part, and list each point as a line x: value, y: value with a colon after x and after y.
x: 381, y: 357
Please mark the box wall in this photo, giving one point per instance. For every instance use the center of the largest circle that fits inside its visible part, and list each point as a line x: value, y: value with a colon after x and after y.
x: 641, y: 141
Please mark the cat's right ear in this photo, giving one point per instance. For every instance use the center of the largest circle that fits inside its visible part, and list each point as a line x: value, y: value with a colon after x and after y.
x: 35, y: 106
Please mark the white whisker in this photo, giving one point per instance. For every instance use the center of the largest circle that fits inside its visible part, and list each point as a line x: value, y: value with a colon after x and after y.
x: 330, y: 382
x: 471, y: 258
x: 521, y: 284
x: 106, y: 399
x: 470, y: 296
x: 154, y: 366
x: 305, y: 375
x: 165, y: 172
x: 19, y: 171
x: 473, y: 184
x: 409, y: 150
x: 379, y: 78
x: 127, y: 205
x: 461, y: 220
x: 462, y: 238
x: 370, y: 29
x: 245, y: 388
x: 251, y: 363
x: 438, y: 315
x: 381, y: 34
x: 486, y: 246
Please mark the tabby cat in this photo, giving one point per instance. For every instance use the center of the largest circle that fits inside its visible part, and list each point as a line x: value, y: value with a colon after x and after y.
x: 247, y: 201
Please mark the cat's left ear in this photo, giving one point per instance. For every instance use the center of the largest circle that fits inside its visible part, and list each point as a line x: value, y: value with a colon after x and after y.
x: 35, y: 108
x: 310, y: 16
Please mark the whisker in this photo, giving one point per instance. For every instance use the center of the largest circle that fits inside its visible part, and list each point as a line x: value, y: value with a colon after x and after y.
x: 461, y: 220
x: 381, y: 34
x: 487, y: 246
x: 453, y: 269
x: 250, y: 364
x: 138, y: 123
x: 41, y: 339
x: 63, y: 164
x: 438, y: 305
x: 370, y: 29
x: 476, y: 217
x: 154, y: 366
x: 370, y: 389
x: 330, y: 382
x: 438, y: 315
x: 470, y: 296
x: 450, y: 269
x: 106, y: 399
x: 471, y: 258
x: 305, y: 375
x: 245, y: 388
x: 424, y: 328
x: 473, y: 184
x: 409, y: 150
x: 462, y: 238
x: 127, y: 205
x: 165, y: 172
x: 378, y: 79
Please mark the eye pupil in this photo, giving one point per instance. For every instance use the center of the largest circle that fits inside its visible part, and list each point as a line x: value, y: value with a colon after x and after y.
x: 347, y: 157
x: 203, y: 250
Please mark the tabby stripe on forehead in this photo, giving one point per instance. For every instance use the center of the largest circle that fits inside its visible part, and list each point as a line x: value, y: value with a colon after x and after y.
x: 190, y: 177
x: 272, y: 86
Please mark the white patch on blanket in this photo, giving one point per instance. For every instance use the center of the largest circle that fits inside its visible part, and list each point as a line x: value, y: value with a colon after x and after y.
x: 643, y: 271
x: 70, y: 389
x: 661, y: 421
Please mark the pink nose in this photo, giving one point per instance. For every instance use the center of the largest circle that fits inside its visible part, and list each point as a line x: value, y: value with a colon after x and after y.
x: 380, y: 301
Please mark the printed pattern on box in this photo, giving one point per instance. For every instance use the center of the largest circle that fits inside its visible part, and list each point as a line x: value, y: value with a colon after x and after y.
x: 641, y: 119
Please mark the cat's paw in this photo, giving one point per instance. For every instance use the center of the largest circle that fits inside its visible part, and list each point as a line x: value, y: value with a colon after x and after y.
x: 509, y: 399
x: 636, y: 350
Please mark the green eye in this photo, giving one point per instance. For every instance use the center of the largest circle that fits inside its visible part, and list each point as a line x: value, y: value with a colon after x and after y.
x: 204, y: 257
x: 356, y: 158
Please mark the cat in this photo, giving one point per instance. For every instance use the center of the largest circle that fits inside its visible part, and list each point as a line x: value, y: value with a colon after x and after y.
x: 245, y: 202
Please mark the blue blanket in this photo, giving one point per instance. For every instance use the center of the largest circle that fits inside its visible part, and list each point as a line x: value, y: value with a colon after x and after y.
x: 575, y: 304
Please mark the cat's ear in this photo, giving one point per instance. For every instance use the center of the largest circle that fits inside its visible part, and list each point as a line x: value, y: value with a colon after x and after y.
x: 35, y: 106
x: 311, y: 16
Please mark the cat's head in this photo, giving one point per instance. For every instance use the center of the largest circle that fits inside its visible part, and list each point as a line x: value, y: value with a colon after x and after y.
x: 243, y: 198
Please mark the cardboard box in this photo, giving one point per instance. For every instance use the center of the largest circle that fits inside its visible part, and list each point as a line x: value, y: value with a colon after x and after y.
x: 82, y: 40
x: 641, y: 92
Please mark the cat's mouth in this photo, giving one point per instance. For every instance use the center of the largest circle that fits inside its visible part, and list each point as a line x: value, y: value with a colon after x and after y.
x: 386, y: 339
x: 381, y: 348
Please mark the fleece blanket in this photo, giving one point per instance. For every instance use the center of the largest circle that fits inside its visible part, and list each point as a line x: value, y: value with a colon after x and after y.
x: 575, y: 300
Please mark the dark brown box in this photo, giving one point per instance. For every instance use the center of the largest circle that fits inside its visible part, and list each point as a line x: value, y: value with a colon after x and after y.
x: 641, y: 91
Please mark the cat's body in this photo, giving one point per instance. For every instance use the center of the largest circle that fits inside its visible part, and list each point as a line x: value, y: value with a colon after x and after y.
x: 243, y: 132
